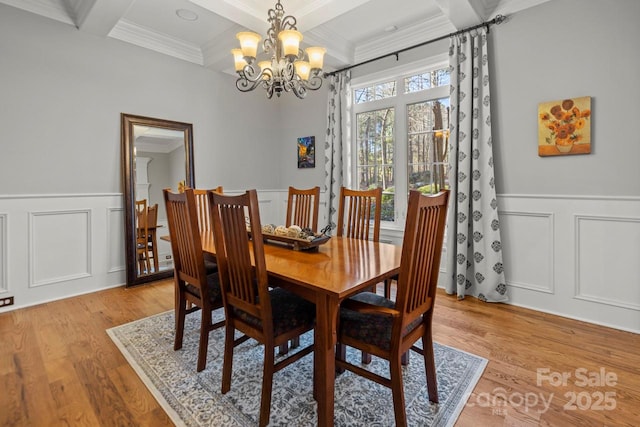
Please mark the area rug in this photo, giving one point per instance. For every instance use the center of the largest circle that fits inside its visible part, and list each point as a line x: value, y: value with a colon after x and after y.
x: 194, y: 399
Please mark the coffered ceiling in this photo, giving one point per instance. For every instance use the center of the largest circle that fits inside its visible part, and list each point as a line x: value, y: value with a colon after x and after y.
x: 351, y: 30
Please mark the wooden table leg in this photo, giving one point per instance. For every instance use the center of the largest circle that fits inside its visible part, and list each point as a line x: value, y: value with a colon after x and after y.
x: 326, y: 316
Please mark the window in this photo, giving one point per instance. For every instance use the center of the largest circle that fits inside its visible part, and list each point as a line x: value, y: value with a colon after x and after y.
x: 400, y: 135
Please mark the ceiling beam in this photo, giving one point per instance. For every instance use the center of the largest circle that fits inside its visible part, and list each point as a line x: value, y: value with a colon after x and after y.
x: 102, y: 16
x: 461, y: 13
x: 242, y: 16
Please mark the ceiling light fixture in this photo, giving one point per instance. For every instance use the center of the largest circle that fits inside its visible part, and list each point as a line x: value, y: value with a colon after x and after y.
x: 287, y: 67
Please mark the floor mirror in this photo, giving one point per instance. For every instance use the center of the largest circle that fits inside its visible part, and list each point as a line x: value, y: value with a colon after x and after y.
x: 156, y: 154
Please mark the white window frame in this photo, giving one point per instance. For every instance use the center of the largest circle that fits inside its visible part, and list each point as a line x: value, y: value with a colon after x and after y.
x: 399, y: 102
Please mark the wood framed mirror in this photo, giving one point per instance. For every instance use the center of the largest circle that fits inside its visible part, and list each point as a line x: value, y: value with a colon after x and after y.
x: 156, y: 154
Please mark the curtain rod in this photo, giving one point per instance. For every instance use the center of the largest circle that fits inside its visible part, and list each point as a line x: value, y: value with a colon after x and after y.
x: 499, y: 19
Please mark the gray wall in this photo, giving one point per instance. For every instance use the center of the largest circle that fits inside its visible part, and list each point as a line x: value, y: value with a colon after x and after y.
x: 565, y: 49
x: 62, y: 92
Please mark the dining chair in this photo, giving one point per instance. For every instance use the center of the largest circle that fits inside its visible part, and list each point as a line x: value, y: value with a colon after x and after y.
x: 302, y: 208
x: 204, y: 222
x: 359, y: 218
x: 356, y: 219
x: 142, y: 233
x: 202, y: 203
x: 194, y: 287
x: 359, y: 213
x: 271, y: 316
x: 152, y: 240
x: 386, y: 328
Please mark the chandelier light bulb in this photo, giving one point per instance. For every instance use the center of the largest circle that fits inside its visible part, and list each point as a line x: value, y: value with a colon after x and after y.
x: 238, y: 59
x: 290, y: 42
x: 302, y: 69
x: 265, y: 68
x: 249, y: 43
x: 316, y: 56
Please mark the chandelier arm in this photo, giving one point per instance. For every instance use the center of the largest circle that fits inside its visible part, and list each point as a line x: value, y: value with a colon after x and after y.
x: 248, y: 79
x: 298, y: 88
x: 314, y: 82
x: 245, y: 85
x: 289, y: 23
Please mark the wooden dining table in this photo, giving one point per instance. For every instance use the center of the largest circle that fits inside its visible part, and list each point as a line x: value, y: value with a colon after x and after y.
x: 336, y: 270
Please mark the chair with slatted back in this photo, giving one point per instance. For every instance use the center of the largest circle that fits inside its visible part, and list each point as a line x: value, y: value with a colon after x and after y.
x: 271, y: 316
x: 302, y: 208
x: 142, y: 233
x: 359, y: 218
x: 388, y: 329
x: 359, y: 213
x: 152, y: 238
x: 193, y: 285
x: 202, y: 202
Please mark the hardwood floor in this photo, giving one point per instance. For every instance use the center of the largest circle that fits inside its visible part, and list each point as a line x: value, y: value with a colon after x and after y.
x: 58, y: 366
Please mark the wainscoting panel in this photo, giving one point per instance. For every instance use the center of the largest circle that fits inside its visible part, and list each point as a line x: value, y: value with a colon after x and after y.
x: 529, y: 235
x: 4, y: 263
x: 574, y: 256
x: 607, y: 247
x: 115, y: 239
x: 56, y: 246
x: 60, y: 246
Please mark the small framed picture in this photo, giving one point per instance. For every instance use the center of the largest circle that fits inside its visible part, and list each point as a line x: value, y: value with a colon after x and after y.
x: 307, y: 152
x: 564, y: 127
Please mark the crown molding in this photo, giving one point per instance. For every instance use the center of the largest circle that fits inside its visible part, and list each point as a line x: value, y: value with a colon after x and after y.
x: 412, y: 35
x: 50, y: 9
x: 139, y: 36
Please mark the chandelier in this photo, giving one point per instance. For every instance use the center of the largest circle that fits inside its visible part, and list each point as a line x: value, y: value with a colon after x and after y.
x: 287, y: 67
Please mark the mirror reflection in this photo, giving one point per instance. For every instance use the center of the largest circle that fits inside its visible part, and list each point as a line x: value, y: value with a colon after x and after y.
x: 157, y: 154
x: 159, y: 163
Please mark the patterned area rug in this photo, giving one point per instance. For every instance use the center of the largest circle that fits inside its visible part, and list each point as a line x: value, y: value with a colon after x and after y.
x: 194, y: 399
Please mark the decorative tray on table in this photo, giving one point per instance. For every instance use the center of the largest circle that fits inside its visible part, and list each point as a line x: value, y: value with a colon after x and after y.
x: 294, y: 237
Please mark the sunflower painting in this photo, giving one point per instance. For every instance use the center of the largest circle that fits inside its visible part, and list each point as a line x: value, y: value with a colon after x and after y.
x: 564, y: 127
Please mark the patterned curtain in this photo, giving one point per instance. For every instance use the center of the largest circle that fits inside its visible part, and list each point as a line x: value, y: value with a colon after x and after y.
x: 337, y: 149
x: 474, y: 248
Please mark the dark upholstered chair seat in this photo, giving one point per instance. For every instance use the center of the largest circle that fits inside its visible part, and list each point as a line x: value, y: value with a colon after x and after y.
x: 371, y: 328
x: 213, y: 285
x: 289, y: 312
x: 210, y: 266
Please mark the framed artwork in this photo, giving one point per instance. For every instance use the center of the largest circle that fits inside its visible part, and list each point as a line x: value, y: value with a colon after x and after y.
x: 564, y: 127
x: 307, y: 152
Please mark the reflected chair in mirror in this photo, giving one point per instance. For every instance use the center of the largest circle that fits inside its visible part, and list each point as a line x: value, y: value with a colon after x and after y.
x: 193, y: 285
x: 271, y: 316
x: 142, y: 234
x: 152, y: 238
x: 302, y: 208
x: 388, y: 329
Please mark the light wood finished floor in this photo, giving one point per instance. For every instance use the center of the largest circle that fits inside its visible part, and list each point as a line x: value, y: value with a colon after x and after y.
x: 58, y: 367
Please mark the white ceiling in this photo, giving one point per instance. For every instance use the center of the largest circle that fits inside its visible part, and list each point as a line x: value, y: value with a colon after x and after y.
x: 351, y: 30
